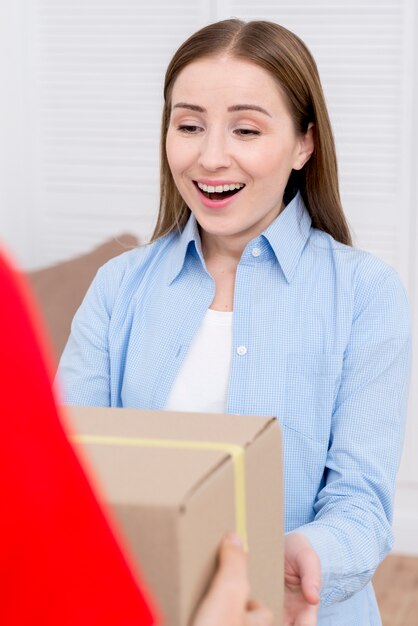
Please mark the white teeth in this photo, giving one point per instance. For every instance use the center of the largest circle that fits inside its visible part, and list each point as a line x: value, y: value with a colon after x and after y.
x: 219, y: 188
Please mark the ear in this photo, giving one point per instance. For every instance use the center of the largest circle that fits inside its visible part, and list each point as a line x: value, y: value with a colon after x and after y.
x: 306, y: 147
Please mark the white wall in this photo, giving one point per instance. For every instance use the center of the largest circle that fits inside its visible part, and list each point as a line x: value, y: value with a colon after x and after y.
x: 16, y: 212
x: 79, y: 124
x: 406, y: 505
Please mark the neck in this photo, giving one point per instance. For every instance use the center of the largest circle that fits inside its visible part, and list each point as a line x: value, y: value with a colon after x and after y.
x: 222, y: 248
x: 230, y: 248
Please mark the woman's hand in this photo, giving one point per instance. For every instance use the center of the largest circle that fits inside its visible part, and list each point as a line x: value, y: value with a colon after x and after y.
x: 302, y: 582
x: 226, y: 603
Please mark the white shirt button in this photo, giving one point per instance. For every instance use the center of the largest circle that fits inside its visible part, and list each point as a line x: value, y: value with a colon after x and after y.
x: 256, y: 251
x: 241, y: 350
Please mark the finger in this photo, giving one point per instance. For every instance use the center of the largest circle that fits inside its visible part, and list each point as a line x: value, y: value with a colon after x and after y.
x: 298, y: 612
x: 310, y: 575
x: 230, y: 586
x: 307, y: 617
x: 233, y: 569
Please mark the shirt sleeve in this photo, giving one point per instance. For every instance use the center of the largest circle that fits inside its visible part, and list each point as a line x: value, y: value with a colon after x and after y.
x: 83, y: 376
x: 352, y: 528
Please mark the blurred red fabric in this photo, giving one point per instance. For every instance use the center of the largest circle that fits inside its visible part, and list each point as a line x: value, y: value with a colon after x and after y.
x: 60, y: 563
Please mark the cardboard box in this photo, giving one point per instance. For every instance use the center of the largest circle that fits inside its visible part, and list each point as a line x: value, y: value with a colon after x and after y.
x: 175, y: 487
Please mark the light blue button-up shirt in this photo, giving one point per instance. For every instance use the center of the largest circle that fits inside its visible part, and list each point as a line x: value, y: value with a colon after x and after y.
x: 320, y: 340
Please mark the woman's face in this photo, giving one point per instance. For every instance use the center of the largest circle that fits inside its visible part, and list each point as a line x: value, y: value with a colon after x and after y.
x: 231, y: 146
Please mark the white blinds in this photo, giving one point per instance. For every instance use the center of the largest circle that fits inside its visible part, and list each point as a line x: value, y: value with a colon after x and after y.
x: 99, y: 80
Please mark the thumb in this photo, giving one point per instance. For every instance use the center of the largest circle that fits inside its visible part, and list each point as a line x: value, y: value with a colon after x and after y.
x: 227, y: 597
x: 310, y: 575
x: 232, y: 574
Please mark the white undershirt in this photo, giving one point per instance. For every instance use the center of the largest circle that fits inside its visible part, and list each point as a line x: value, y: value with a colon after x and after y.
x: 202, y: 382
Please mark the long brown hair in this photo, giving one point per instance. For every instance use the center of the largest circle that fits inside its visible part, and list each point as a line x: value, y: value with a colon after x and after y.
x: 286, y: 58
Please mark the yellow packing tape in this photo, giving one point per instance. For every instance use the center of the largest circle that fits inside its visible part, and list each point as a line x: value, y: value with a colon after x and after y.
x: 236, y: 452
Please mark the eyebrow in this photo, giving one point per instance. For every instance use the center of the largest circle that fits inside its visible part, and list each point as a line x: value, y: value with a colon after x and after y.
x: 248, y: 107
x: 232, y: 109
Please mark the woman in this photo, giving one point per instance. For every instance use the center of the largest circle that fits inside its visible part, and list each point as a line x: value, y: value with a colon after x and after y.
x: 250, y: 300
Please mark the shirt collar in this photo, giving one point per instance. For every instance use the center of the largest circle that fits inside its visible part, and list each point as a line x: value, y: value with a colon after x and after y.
x: 288, y: 234
x: 189, y: 237
x: 287, y: 237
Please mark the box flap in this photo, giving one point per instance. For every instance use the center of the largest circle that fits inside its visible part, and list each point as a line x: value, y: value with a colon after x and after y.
x: 144, y: 474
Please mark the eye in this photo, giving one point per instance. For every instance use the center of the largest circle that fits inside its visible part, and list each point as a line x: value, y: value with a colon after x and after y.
x: 246, y: 132
x: 189, y: 129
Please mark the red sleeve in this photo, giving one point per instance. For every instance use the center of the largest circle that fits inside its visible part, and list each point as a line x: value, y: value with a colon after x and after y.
x: 60, y: 563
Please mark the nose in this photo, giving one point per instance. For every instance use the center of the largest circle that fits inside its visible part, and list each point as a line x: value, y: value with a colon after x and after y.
x: 214, y: 153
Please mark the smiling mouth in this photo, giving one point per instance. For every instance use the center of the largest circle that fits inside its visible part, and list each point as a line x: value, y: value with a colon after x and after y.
x: 227, y: 191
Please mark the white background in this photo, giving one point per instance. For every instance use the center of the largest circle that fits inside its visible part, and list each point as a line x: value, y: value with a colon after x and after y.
x: 79, y: 126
